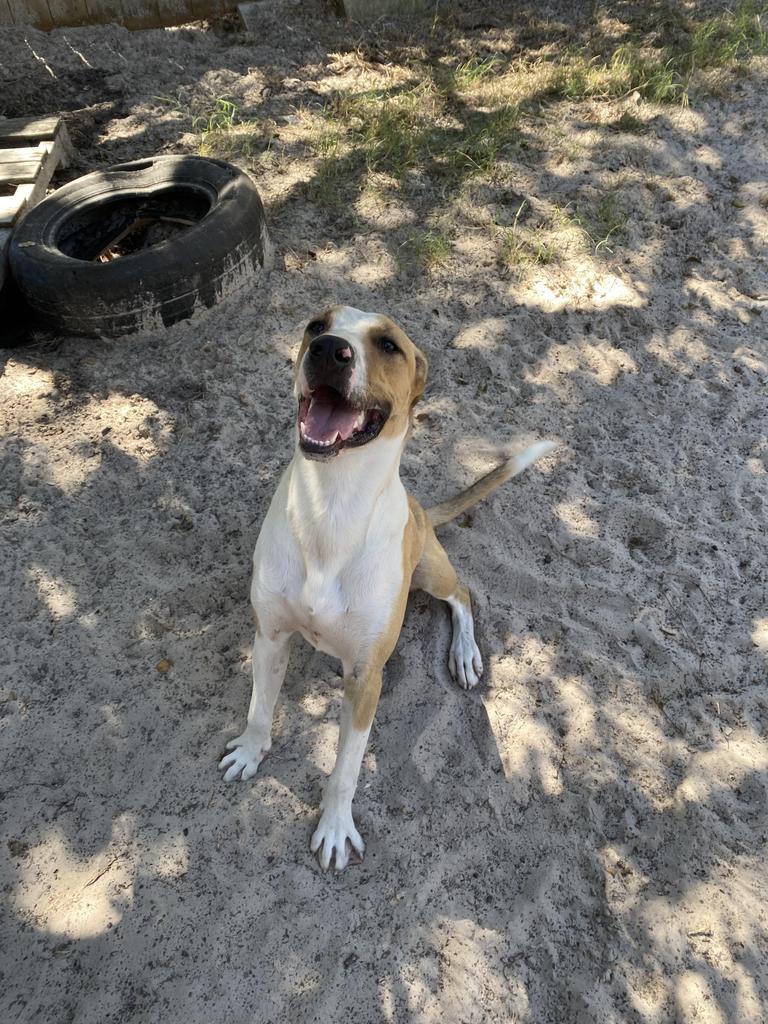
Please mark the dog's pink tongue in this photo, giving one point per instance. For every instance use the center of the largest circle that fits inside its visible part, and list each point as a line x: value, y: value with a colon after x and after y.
x: 326, y: 418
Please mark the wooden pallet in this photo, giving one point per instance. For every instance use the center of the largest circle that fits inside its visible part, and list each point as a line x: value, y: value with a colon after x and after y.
x: 30, y: 151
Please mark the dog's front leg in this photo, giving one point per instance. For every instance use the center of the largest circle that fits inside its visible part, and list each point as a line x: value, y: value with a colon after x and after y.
x: 336, y: 825
x: 270, y: 659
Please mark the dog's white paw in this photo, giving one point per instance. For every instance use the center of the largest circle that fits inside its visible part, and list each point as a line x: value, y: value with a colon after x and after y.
x: 244, y: 761
x: 334, y: 829
x: 464, y: 661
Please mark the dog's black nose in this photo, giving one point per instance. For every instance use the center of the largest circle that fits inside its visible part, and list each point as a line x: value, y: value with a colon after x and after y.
x: 330, y: 349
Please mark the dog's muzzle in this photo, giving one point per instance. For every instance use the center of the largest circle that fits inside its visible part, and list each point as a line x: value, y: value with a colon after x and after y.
x: 330, y: 416
x: 329, y: 363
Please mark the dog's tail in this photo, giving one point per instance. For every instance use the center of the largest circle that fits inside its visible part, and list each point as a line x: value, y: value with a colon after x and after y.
x: 448, y: 510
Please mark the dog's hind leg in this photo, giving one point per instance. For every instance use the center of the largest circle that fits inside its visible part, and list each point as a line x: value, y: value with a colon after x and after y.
x: 435, y: 575
x: 270, y: 660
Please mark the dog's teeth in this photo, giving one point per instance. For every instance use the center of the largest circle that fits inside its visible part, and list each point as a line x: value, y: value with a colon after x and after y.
x: 315, y: 441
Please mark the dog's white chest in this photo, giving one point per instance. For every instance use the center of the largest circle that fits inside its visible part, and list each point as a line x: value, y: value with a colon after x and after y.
x: 340, y: 612
x: 320, y: 608
x: 330, y: 565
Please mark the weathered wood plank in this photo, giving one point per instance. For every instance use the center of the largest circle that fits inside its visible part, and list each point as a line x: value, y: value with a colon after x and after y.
x: 31, y: 12
x: 370, y: 10
x: 50, y: 162
x: 68, y: 12
x: 139, y: 13
x: 104, y: 12
x: 20, y: 154
x: 171, y: 12
x: 204, y: 8
x: 30, y: 168
x: 11, y: 206
x: 32, y: 178
x: 62, y: 149
x: 134, y: 14
x: 20, y: 173
x: 27, y: 129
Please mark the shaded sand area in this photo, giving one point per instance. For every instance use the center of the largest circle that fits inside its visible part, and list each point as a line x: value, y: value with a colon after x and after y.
x: 582, y: 259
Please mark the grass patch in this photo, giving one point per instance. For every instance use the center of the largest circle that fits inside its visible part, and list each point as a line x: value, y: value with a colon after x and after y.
x: 224, y: 133
x: 603, y: 221
x: 438, y: 126
x: 222, y: 116
x: 663, y: 73
x: 407, y: 133
x: 227, y: 135
x: 338, y: 167
x: 730, y: 38
x: 487, y: 138
x: 629, y: 69
x: 428, y: 250
x: 392, y: 130
x: 466, y: 76
x: 520, y: 252
x: 434, y: 124
x: 240, y: 142
x: 521, y: 249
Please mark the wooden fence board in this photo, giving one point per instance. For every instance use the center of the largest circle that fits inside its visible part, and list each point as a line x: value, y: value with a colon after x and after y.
x: 171, y: 12
x: 30, y: 12
x: 68, y: 12
x: 134, y: 14
x: 137, y: 12
x: 104, y: 12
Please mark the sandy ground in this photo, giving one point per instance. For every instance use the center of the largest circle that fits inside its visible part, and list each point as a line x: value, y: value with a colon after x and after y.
x: 580, y: 840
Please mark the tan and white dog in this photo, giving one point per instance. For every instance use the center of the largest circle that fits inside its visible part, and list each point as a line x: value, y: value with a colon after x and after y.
x: 342, y: 544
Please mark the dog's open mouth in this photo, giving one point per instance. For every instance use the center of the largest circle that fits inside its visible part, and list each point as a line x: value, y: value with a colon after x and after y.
x: 328, y: 423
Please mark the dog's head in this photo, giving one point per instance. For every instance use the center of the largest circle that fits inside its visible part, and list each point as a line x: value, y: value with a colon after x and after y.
x: 358, y: 375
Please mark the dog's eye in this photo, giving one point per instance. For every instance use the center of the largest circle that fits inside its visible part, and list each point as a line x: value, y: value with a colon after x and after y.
x: 386, y: 344
x: 316, y: 327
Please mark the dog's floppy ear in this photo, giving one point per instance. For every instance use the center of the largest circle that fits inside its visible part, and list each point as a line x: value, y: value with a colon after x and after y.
x: 420, y: 380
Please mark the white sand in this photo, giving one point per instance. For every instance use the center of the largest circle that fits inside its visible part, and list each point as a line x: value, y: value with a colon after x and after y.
x: 581, y: 840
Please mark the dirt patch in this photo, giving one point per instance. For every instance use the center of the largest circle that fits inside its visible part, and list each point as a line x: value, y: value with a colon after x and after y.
x: 581, y: 840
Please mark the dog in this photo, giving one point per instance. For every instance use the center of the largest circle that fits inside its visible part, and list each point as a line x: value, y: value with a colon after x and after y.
x: 342, y: 545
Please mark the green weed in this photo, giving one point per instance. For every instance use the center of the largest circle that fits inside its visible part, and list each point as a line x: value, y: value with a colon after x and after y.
x: 221, y: 117
x: 428, y: 250
x: 731, y: 37
x: 520, y: 248
x: 663, y: 74
x: 467, y: 75
x: 603, y: 221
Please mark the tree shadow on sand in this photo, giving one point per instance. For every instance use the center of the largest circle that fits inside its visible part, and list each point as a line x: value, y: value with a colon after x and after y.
x: 580, y: 840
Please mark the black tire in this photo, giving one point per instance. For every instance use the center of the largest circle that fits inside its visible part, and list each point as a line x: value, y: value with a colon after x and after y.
x: 221, y: 245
